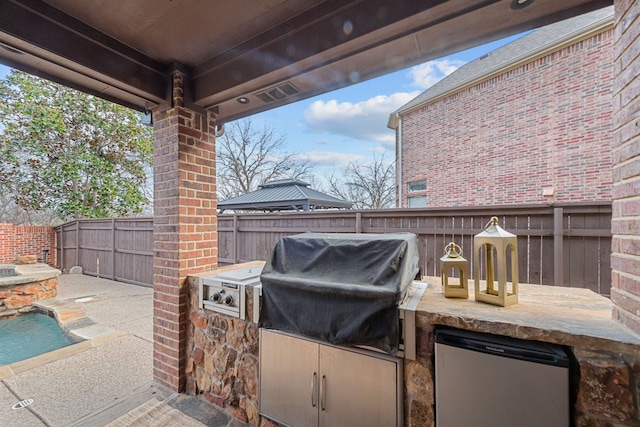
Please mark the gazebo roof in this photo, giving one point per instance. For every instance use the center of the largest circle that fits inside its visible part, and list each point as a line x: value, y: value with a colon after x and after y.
x: 283, y: 194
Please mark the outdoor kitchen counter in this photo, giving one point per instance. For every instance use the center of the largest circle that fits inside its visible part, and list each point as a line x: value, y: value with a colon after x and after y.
x: 568, y: 316
x: 574, y: 317
x: 606, y: 354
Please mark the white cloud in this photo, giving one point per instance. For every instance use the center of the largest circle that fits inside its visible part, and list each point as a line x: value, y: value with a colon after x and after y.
x: 330, y: 158
x: 365, y: 121
x: 380, y: 150
x: 426, y: 75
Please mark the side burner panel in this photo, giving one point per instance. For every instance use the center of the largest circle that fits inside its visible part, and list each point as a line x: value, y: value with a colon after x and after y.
x: 225, y: 292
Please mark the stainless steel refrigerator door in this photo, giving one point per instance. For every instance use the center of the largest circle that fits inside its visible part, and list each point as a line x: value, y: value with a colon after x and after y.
x: 478, y: 389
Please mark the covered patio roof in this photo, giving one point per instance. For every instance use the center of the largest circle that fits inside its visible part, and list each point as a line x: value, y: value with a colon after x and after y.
x: 245, y: 56
x: 200, y: 63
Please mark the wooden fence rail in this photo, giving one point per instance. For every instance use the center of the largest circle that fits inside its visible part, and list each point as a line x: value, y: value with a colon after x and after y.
x: 566, y: 245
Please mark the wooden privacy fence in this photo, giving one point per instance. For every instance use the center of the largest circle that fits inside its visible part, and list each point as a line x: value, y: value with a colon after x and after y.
x: 118, y: 249
x: 567, y: 245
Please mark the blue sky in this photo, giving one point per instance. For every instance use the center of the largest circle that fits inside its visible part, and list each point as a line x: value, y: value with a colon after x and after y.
x: 350, y: 124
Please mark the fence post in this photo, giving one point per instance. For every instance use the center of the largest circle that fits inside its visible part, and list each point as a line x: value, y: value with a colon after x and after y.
x: 61, y: 243
x: 78, y: 242
x: 235, y: 238
x: 558, y: 251
x: 358, y: 222
x: 113, y: 248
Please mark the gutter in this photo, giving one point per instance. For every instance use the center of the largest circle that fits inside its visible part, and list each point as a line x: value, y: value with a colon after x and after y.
x: 394, y: 120
x: 399, y: 184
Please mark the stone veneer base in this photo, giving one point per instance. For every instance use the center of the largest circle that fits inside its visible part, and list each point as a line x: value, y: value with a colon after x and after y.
x: 605, y: 354
x: 223, y: 352
x: 35, y: 282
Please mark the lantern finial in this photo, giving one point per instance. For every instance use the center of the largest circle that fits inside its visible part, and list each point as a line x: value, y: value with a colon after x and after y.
x: 452, y: 250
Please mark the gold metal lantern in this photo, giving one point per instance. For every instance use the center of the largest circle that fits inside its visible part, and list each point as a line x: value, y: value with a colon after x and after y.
x: 497, y: 243
x: 453, y: 260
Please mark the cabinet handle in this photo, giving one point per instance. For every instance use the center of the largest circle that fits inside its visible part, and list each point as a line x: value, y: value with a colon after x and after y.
x: 323, y: 392
x: 314, y: 389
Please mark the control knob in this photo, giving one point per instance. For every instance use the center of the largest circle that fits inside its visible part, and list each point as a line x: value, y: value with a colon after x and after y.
x: 217, y: 297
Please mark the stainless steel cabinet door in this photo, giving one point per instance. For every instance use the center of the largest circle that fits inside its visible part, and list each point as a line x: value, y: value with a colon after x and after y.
x: 289, y: 379
x: 357, y: 390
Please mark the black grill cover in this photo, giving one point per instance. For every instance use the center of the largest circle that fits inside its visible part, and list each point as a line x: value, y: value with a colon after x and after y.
x: 339, y: 288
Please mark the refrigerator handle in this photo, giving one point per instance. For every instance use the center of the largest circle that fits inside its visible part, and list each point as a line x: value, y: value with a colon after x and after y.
x: 314, y: 389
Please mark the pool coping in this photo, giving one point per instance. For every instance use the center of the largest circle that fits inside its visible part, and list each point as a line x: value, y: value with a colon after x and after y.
x: 74, y: 321
x: 28, y: 273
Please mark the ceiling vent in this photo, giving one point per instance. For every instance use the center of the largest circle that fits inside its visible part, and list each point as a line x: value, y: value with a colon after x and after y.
x: 277, y: 93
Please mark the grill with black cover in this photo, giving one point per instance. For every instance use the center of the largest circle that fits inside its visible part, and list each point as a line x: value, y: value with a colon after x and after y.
x: 343, y: 289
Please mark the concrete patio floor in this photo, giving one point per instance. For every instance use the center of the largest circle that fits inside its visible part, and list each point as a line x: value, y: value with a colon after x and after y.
x: 106, y: 375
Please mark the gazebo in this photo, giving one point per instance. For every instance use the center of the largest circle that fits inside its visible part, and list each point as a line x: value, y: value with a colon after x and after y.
x: 283, y: 195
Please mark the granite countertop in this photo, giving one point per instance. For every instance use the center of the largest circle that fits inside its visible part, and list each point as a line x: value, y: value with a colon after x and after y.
x: 226, y: 268
x: 569, y: 316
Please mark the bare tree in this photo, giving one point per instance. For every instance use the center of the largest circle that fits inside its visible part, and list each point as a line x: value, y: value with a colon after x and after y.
x: 248, y: 156
x: 12, y: 213
x: 367, y: 186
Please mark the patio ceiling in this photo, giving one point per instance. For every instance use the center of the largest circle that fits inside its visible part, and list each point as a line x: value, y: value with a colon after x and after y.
x: 266, y: 53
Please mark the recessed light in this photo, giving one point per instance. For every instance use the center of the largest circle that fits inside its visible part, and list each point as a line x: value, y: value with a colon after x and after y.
x: 243, y: 100
x: 520, y: 4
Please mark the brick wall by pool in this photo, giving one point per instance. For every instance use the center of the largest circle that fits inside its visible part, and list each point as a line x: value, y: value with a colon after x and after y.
x: 20, y: 240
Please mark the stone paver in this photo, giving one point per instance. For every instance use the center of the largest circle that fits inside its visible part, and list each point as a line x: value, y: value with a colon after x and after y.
x: 111, y: 372
x: 75, y: 386
x: 23, y: 417
x: 115, y: 358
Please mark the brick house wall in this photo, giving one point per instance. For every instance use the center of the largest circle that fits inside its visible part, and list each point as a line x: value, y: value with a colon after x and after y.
x: 545, y: 124
x: 19, y: 240
x: 625, y: 227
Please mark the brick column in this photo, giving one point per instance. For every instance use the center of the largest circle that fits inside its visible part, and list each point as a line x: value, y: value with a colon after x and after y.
x: 625, y: 227
x: 185, y: 226
x: 7, y: 243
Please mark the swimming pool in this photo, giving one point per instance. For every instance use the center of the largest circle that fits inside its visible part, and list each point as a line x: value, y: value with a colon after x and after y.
x: 30, y: 335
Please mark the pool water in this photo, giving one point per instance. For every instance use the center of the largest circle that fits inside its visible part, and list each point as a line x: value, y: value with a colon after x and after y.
x: 8, y: 272
x: 30, y: 335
